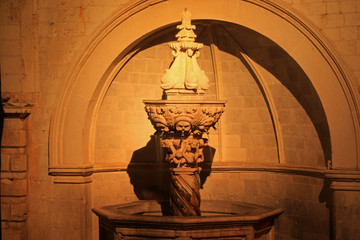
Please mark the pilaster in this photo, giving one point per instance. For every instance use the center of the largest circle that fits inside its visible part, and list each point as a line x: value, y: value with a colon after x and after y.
x: 14, y: 169
x: 345, y: 203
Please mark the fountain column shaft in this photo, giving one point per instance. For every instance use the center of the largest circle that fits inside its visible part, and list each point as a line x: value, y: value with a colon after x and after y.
x: 185, y: 191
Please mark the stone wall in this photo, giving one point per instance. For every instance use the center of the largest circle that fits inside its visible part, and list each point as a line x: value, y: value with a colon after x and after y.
x: 305, y: 199
x: 246, y: 132
x: 14, y: 177
x: 39, y: 42
x: 306, y: 210
x: 339, y: 21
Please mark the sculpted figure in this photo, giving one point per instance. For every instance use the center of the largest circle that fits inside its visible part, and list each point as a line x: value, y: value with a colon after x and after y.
x: 185, y: 75
x: 193, y: 153
x: 186, y: 152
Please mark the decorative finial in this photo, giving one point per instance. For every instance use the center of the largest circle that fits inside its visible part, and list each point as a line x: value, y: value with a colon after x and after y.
x: 186, y: 29
x: 185, y: 75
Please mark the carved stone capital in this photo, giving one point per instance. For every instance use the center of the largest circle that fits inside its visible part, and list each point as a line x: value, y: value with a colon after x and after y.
x: 184, y: 116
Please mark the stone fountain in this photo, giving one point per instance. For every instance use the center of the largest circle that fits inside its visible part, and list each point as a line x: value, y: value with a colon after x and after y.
x: 182, y: 119
x: 184, y: 124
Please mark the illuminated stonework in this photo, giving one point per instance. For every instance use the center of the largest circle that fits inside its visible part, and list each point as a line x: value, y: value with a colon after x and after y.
x: 184, y: 124
x: 200, y: 115
x: 185, y: 75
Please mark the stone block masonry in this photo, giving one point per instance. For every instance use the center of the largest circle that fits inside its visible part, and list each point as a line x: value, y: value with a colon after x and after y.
x: 304, y: 217
x: 14, y: 182
x: 38, y: 44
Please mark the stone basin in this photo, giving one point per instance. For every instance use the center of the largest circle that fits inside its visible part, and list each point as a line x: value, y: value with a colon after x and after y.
x: 219, y: 220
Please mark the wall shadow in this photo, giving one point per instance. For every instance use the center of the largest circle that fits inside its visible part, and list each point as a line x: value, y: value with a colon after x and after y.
x: 149, y: 173
x: 283, y: 67
x: 326, y: 196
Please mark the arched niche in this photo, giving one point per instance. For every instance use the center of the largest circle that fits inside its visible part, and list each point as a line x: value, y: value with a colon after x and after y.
x: 72, y: 125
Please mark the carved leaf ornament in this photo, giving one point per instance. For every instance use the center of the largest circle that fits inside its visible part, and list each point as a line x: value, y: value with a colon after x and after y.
x: 200, y: 118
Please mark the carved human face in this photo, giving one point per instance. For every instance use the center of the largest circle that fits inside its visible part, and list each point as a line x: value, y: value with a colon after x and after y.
x: 183, y: 126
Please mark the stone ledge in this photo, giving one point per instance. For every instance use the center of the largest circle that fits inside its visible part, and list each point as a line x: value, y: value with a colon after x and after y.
x: 343, y: 175
x: 15, y: 110
x: 72, y: 179
x: 82, y: 170
x: 345, y: 186
x: 334, y: 175
x: 344, y: 180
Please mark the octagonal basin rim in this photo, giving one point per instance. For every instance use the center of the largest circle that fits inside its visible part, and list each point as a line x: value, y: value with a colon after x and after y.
x: 129, y: 213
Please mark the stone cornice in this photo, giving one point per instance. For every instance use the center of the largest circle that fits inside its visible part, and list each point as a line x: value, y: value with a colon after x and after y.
x: 72, y: 175
x: 340, y: 179
x: 344, y: 180
x: 71, y: 170
x: 72, y: 179
x: 16, y: 110
x: 343, y: 175
x: 336, y: 174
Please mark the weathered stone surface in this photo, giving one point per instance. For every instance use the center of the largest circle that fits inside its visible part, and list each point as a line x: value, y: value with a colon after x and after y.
x: 42, y: 39
x: 223, y: 219
x: 13, y: 187
x: 347, y: 214
x: 185, y: 191
x: 184, y: 124
x: 18, y: 163
x: 184, y: 75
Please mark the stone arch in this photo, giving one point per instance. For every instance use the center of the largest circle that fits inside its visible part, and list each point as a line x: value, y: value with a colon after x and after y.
x: 96, y: 66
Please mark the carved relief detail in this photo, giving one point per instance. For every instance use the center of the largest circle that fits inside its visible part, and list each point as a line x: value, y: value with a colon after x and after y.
x: 184, y: 151
x: 184, y: 130
x: 168, y: 118
x: 185, y: 75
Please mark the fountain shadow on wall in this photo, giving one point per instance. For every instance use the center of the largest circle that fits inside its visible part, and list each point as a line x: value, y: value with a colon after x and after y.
x: 149, y: 172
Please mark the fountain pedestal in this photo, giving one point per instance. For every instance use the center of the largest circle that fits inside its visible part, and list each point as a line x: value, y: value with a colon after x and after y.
x: 219, y: 220
x: 183, y: 126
